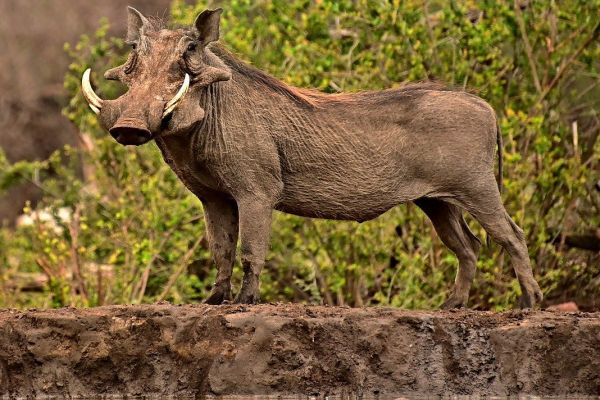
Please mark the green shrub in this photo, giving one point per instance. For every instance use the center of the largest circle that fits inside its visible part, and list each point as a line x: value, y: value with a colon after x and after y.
x: 536, y: 64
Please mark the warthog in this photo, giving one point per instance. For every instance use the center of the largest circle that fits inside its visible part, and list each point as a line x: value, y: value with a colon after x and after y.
x: 246, y: 143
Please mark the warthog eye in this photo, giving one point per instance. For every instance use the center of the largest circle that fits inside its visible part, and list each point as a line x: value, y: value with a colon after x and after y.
x: 191, y: 46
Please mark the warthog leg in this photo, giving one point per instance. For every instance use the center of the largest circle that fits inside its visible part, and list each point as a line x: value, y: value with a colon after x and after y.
x: 482, y: 200
x: 255, y: 226
x: 222, y: 229
x: 452, y: 229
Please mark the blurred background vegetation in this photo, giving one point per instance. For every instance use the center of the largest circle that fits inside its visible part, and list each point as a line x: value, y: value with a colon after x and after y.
x: 125, y: 230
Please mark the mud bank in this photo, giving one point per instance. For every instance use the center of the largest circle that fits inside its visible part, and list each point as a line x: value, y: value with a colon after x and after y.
x: 201, y: 350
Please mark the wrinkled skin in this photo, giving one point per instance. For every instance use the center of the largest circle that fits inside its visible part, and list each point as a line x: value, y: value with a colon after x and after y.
x: 246, y: 144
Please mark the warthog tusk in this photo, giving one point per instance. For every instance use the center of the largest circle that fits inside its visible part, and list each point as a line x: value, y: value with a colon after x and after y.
x: 92, y: 98
x: 170, y: 106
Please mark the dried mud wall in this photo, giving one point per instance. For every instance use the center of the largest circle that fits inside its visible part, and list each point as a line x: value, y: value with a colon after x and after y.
x: 203, y: 351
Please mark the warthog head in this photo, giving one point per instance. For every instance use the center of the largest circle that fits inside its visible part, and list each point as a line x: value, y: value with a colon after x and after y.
x: 165, y: 74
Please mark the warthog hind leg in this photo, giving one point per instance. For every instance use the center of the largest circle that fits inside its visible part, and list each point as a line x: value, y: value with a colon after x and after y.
x: 452, y: 229
x: 483, y: 202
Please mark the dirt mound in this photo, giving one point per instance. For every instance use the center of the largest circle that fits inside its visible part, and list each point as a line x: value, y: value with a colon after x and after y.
x: 200, y: 350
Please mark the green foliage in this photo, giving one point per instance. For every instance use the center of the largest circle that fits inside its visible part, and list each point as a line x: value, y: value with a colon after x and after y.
x: 136, y: 234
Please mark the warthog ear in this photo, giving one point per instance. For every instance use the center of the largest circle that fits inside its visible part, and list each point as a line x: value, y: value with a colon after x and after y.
x: 207, y: 25
x: 135, y: 25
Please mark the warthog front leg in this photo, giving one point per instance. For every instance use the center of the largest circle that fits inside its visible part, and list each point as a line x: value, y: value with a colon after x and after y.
x: 221, y: 218
x: 255, y: 227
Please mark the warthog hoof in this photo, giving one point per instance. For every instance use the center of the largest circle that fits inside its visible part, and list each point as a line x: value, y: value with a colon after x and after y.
x: 455, y: 301
x: 247, y: 297
x: 219, y: 295
x: 532, y: 295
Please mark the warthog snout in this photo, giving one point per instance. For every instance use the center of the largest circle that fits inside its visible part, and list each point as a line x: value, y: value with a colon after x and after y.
x: 132, y: 119
x: 130, y: 131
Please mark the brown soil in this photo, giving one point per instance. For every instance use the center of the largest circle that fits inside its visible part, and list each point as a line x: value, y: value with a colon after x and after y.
x: 200, y: 350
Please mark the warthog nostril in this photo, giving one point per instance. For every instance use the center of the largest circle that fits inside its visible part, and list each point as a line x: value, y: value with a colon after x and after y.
x: 130, y: 132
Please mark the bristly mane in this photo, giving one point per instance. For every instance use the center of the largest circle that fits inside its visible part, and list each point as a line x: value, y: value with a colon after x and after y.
x: 303, y: 96
x: 300, y: 96
x: 313, y: 97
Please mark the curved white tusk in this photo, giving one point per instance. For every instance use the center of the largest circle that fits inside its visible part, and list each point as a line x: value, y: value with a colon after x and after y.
x: 92, y: 98
x: 170, y: 106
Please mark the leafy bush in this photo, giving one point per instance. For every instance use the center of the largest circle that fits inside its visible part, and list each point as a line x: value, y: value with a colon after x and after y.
x: 136, y: 235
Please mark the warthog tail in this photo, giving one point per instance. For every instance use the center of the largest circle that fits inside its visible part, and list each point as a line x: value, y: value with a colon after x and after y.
x: 500, y: 168
x: 500, y: 151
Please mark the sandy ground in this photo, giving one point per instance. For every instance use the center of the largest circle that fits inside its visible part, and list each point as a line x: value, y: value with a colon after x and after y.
x: 203, y: 351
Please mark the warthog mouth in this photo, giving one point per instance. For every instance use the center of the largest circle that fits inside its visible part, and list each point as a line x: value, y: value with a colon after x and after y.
x: 130, y: 131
